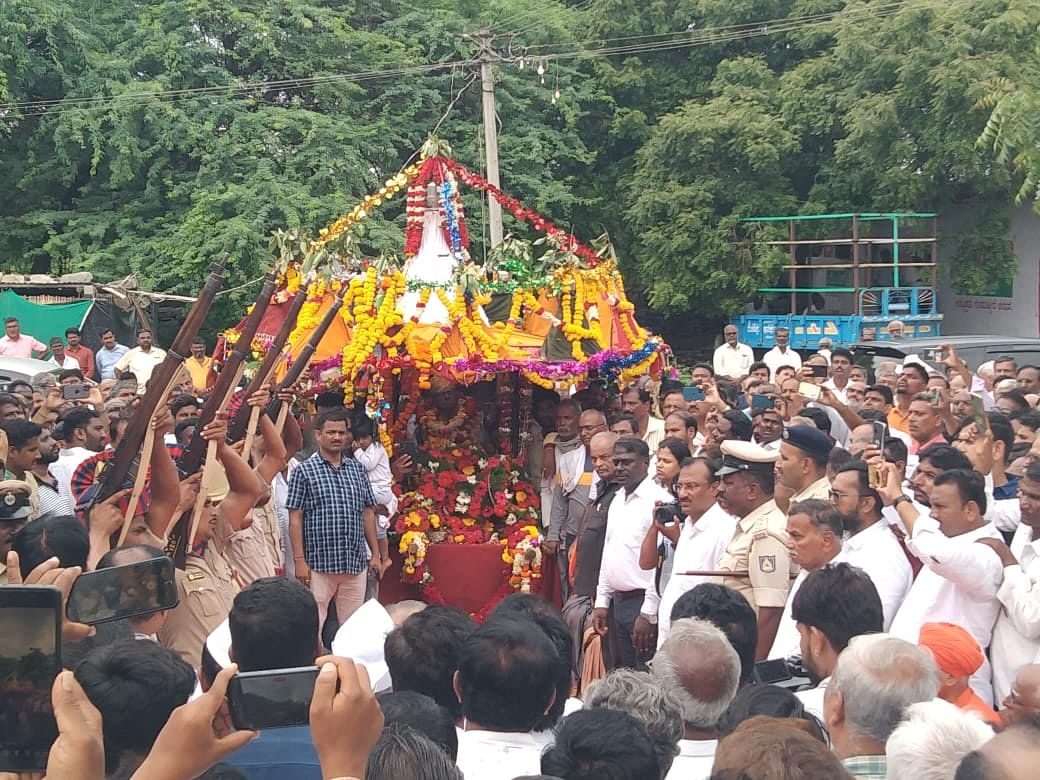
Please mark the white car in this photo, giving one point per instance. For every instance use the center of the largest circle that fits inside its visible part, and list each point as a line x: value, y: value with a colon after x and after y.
x: 24, y: 369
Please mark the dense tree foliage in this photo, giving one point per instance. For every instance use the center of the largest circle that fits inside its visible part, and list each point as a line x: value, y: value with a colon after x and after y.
x: 149, y: 137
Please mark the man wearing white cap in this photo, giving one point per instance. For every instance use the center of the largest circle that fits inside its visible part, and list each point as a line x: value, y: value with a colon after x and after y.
x: 757, y: 563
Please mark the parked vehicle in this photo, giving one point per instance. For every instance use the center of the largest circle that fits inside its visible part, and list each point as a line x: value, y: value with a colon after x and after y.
x: 973, y: 350
x: 12, y: 368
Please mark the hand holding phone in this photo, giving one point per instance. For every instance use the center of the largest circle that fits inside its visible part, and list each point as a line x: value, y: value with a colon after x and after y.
x: 75, y: 392
x: 123, y: 591
x: 809, y: 390
x: 692, y: 394
x: 271, y: 699
x: 31, y: 618
x: 345, y: 716
x: 190, y: 742
x: 762, y: 402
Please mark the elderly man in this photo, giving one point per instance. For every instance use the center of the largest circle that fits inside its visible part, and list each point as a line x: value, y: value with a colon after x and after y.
x: 700, y: 667
x: 782, y: 354
x: 876, y: 678
x: 647, y: 700
x: 570, y: 492
x: 958, y: 657
x: 732, y: 360
x: 1023, y: 703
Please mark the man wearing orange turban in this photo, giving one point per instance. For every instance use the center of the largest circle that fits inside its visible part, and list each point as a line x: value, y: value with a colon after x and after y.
x: 958, y: 657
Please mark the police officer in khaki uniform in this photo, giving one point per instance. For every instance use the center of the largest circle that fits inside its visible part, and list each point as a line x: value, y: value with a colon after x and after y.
x: 207, y: 588
x: 802, y: 467
x: 757, y: 559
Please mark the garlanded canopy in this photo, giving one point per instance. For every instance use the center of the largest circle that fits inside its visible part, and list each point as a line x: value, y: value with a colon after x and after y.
x: 553, y: 319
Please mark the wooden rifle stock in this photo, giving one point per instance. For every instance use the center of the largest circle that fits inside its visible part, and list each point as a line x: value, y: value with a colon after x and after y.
x: 239, y: 423
x: 300, y: 364
x: 129, y: 448
x: 191, y: 459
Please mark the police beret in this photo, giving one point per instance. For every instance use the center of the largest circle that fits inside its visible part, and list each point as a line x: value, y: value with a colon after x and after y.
x: 809, y: 438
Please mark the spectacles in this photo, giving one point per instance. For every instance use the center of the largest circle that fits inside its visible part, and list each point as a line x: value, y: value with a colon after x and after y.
x: 835, y: 494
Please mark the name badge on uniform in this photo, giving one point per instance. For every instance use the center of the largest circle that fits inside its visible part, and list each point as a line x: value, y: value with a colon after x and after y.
x: 196, y: 575
x: 767, y: 563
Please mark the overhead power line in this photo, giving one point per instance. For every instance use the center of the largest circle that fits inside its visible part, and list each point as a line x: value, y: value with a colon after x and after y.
x: 641, y: 45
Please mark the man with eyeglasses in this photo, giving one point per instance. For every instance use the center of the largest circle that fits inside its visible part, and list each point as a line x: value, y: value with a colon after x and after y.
x: 869, y: 542
x: 701, y: 539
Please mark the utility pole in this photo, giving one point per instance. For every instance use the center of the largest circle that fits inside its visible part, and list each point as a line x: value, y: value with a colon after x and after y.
x: 487, y: 95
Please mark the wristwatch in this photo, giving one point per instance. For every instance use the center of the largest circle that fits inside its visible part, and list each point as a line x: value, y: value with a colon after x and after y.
x: 900, y: 499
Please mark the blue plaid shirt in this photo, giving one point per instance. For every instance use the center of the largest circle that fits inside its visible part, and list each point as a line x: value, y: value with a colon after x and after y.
x: 333, y: 500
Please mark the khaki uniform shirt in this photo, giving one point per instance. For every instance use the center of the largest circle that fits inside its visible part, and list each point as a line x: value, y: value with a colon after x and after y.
x: 759, y: 558
x: 267, y: 518
x: 207, y: 587
x: 820, y: 489
x: 247, y: 552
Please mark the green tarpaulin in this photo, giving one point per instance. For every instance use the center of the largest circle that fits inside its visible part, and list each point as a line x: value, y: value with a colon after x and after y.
x: 43, y: 321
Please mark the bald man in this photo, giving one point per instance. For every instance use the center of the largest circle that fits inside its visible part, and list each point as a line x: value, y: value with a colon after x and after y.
x: 1023, y: 703
x: 699, y: 665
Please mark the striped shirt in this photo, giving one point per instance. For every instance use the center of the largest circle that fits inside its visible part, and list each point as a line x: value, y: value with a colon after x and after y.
x: 333, y: 500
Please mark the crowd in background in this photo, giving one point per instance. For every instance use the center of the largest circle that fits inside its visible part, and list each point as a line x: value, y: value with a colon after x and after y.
x: 786, y: 568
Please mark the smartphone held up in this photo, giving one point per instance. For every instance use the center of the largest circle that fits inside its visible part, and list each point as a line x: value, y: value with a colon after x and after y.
x: 30, y: 659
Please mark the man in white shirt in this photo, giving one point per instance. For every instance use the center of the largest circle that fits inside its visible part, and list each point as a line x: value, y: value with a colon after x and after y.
x: 141, y: 360
x: 625, y: 610
x: 960, y: 578
x: 1016, y: 637
x: 768, y: 426
x: 869, y: 542
x: 706, y: 530
x: 700, y: 667
x: 59, y: 358
x: 782, y: 354
x: 833, y: 605
x: 814, y: 539
x: 841, y: 366
x: 506, y: 681
x: 732, y: 360
x: 85, y: 435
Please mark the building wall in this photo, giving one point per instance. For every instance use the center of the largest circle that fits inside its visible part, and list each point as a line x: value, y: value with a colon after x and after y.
x: 1013, y: 308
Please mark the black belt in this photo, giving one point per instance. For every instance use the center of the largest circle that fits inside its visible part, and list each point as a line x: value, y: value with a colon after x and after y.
x: 625, y: 595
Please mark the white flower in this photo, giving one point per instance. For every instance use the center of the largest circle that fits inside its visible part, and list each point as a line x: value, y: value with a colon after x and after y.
x: 472, y: 479
x: 482, y: 463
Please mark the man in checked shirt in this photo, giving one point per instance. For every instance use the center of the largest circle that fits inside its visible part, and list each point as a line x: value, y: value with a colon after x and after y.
x: 331, y: 517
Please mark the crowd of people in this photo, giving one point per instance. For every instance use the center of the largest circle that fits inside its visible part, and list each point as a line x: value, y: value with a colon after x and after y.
x: 787, y: 568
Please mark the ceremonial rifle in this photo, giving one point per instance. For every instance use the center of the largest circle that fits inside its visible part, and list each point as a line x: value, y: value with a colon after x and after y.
x: 126, y: 460
x: 183, y: 529
x: 246, y: 417
x: 276, y: 409
x: 192, y: 458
